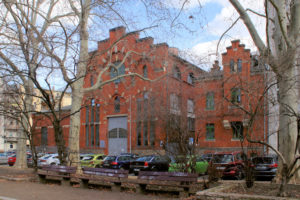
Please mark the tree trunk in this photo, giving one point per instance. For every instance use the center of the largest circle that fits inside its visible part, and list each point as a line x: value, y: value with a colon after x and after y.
x: 77, y: 86
x: 21, y: 158
x: 75, y: 128
x: 288, y: 126
x: 60, y: 142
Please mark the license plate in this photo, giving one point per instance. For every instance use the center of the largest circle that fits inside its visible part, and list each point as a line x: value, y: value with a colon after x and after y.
x: 261, y: 168
x: 136, y: 170
x: 220, y: 168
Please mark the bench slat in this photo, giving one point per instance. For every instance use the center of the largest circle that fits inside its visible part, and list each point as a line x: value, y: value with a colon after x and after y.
x: 170, y: 178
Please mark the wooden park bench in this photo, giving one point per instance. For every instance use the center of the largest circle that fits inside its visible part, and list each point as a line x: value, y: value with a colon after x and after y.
x: 102, y: 176
x: 167, y: 181
x: 58, y: 173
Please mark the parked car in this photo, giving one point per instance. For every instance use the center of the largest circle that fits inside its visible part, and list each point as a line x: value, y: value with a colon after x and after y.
x: 92, y: 160
x: 4, y: 157
x: 12, y: 160
x: 150, y: 163
x: 187, y: 164
x: 122, y: 161
x: 265, y: 166
x: 228, y: 164
x: 48, y: 159
x: 207, y: 156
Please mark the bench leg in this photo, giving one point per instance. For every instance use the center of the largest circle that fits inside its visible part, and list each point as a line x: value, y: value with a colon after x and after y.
x: 65, y: 182
x: 141, y: 188
x: 84, y: 183
x: 116, y: 187
x: 42, y: 178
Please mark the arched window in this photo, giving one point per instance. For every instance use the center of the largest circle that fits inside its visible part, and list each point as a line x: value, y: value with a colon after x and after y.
x: 232, y: 65
x: 117, y: 71
x: 239, y: 65
x: 190, y: 78
x: 92, y: 80
x: 117, y: 104
x: 176, y: 72
x: 145, y: 71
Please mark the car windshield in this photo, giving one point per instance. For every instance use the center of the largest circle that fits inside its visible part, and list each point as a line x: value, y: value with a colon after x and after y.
x: 145, y: 158
x: 262, y: 160
x: 109, y: 158
x: 222, y: 158
x: 87, y: 157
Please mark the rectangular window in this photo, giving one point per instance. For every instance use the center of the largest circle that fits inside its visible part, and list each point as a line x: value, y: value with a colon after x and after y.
x: 235, y: 95
x: 139, y: 134
x: 92, y: 80
x: 232, y: 67
x: 87, y: 115
x: 145, y: 113
x: 86, y: 135
x: 239, y: 65
x: 210, y: 101
x: 175, y: 104
x: 145, y: 133
x: 191, y: 124
x: 190, y: 106
x: 92, y: 114
x: 98, y: 113
x: 87, y: 121
x: 237, y: 130
x: 92, y: 135
x: 152, y: 133
x: 139, y: 108
x: 97, y: 136
x: 44, y: 139
x: 152, y: 108
x: 210, y: 131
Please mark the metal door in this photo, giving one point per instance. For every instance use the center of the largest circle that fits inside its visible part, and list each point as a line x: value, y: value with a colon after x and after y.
x: 117, y: 135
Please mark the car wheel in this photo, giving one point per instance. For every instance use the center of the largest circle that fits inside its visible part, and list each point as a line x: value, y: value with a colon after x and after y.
x: 122, y: 168
x: 97, y: 166
x: 53, y: 163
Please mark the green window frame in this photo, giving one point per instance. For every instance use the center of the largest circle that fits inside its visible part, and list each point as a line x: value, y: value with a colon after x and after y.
x: 210, y: 131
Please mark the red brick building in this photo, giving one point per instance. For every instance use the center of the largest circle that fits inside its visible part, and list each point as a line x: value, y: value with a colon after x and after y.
x: 129, y: 114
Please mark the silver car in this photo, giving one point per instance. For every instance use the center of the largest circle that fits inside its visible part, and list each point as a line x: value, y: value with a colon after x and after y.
x: 4, y: 157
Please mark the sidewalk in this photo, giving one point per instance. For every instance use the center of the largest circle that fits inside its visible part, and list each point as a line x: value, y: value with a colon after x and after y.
x: 14, y: 174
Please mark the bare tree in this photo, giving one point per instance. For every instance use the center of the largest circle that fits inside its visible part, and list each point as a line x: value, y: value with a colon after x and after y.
x: 25, y: 27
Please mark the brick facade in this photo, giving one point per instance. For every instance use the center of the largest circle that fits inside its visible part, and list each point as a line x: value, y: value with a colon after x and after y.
x: 167, y: 84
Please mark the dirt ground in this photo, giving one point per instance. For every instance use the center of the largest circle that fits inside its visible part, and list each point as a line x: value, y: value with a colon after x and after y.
x: 27, y: 188
x: 36, y: 191
x: 266, y: 189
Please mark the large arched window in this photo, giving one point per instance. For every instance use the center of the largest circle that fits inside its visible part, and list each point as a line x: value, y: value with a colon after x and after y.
x: 145, y: 71
x: 176, y: 72
x: 117, y: 104
x: 117, y: 70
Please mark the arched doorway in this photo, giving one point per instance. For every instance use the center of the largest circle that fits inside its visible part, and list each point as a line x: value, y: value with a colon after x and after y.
x: 117, y: 135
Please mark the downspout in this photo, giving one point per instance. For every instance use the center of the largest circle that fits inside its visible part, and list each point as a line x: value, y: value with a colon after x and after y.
x: 130, y: 124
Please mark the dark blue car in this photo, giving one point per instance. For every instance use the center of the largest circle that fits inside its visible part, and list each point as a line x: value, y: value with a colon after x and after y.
x: 118, y: 162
